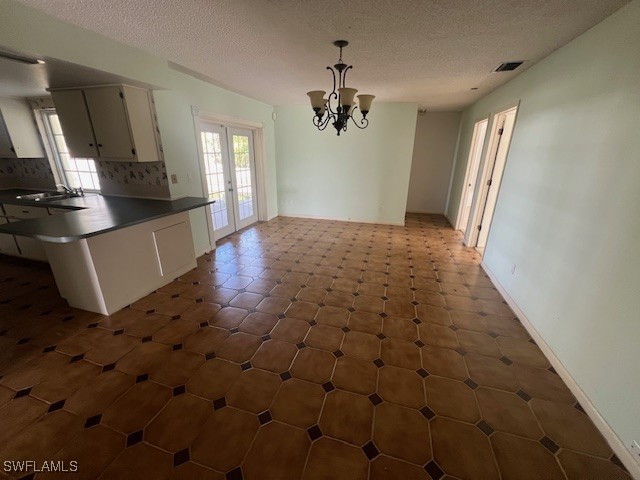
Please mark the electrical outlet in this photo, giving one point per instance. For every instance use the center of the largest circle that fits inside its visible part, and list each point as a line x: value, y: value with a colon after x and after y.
x: 174, y: 178
x: 513, y: 269
x: 635, y: 449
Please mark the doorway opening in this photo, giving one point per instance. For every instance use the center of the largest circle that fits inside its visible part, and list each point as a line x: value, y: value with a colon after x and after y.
x: 489, y: 185
x: 229, y: 176
x: 471, y: 176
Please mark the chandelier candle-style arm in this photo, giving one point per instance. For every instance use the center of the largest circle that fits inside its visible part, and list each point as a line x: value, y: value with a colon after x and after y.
x: 338, y: 114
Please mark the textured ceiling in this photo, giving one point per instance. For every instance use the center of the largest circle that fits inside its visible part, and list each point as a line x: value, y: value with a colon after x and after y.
x: 427, y: 51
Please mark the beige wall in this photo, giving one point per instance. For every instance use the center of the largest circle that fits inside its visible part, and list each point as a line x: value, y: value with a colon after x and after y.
x: 433, y: 153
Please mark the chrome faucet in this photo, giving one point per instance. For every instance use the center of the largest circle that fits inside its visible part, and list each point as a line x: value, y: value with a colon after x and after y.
x: 65, y: 188
x: 73, y: 192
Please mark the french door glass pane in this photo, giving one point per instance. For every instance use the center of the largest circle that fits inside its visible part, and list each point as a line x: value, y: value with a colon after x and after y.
x: 212, y: 150
x: 243, y: 175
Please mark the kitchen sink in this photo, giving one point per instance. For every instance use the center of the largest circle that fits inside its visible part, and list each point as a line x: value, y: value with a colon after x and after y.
x: 36, y: 197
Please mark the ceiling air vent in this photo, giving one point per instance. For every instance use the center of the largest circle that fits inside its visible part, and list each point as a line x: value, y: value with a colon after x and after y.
x: 508, y: 66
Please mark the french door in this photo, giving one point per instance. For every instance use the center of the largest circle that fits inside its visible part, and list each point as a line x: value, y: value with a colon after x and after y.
x: 229, y: 171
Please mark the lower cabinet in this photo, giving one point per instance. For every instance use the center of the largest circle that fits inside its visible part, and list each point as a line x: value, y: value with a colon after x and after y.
x: 107, y: 272
x: 31, y: 248
x: 8, y: 245
x: 26, y: 247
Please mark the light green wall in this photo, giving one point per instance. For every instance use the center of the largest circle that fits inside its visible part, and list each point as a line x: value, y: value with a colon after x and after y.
x: 568, y: 214
x: 362, y: 175
x: 433, y: 151
x: 28, y: 30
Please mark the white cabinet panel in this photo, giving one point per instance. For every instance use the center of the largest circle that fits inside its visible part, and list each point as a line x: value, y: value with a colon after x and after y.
x: 142, y: 120
x: 170, y: 249
x: 20, y: 137
x: 107, y: 272
x: 6, y: 147
x: 29, y: 247
x: 8, y: 245
x: 24, y: 212
x: 115, y: 122
x: 76, y: 124
x: 110, y: 122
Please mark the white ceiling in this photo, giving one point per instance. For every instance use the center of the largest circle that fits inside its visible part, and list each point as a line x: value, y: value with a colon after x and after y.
x: 427, y: 51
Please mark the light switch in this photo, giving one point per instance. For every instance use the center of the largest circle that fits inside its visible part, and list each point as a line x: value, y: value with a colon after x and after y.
x: 174, y: 178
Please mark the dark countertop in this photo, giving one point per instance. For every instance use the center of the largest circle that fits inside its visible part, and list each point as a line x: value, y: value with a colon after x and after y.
x: 91, y: 215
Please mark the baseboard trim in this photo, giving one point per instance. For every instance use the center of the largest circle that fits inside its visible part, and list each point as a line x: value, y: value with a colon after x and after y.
x: 616, y: 444
x: 450, y: 222
x: 336, y: 219
x: 424, y: 212
x: 205, y: 250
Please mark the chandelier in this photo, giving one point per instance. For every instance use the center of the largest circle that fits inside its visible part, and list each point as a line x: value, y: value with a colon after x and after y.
x: 339, y: 106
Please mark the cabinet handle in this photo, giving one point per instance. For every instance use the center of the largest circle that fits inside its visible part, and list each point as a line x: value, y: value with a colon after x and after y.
x: 100, y: 145
x: 91, y: 144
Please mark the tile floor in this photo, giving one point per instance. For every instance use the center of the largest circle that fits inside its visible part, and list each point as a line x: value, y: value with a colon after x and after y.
x: 299, y: 349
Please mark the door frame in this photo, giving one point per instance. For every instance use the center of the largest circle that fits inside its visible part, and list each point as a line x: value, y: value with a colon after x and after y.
x: 469, y: 172
x: 487, y: 166
x: 260, y: 154
x: 231, y: 131
x: 226, y: 165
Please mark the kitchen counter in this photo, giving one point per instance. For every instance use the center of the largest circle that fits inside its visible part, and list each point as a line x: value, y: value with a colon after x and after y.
x: 91, y: 215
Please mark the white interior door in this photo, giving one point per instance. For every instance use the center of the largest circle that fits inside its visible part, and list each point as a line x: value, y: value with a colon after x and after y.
x: 489, y: 188
x: 473, y: 166
x: 229, y: 177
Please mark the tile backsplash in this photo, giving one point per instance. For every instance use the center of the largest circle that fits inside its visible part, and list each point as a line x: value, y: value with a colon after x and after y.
x: 26, y: 173
x: 116, y: 178
x: 133, y: 179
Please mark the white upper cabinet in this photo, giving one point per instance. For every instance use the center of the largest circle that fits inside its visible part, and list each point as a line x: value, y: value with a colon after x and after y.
x: 110, y: 122
x: 19, y: 137
x: 115, y: 122
x: 75, y: 122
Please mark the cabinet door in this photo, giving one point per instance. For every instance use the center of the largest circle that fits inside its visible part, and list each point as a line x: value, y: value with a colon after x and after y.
x: 110, y: 124
x: 8, y: 244
x: 75, y: 122
x: 6, y: 148
x: 25, y: 212
x: 31, y: 248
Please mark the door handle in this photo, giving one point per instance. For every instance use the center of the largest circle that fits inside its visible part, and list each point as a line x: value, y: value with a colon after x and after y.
x: 231, y: 189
